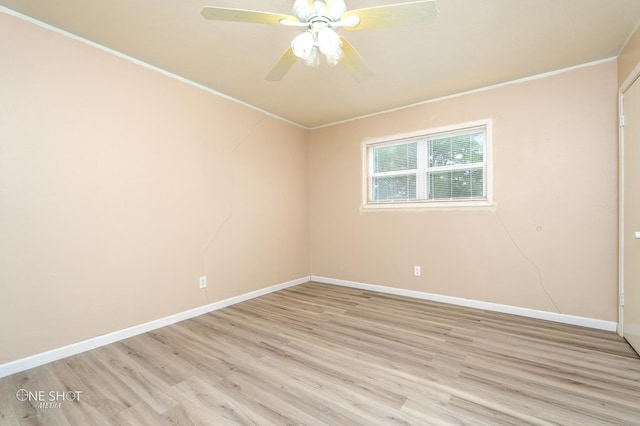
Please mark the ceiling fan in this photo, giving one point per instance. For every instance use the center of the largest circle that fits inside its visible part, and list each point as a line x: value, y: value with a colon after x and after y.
x: 319, y: 20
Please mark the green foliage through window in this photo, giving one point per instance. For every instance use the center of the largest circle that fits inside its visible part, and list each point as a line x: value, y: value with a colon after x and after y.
x: 459, y: 149
x: 395, y: 157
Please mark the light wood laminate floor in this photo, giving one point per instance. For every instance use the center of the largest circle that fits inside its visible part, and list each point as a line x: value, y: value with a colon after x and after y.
x: 322, y: 354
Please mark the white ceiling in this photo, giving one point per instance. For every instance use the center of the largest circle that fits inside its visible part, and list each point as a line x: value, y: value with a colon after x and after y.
x: 471, y: 44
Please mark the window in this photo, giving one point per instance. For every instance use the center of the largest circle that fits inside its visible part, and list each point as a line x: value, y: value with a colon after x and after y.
x: 444, y: 167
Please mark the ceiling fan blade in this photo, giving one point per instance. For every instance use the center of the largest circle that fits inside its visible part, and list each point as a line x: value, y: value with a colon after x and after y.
x: 241, y: 15
x: 354, y: 63
x: 284, y: 64
x: 392, y: 15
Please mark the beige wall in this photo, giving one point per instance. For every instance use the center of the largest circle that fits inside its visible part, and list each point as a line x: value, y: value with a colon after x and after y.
x: 119, y: 187
x: 550, y: 241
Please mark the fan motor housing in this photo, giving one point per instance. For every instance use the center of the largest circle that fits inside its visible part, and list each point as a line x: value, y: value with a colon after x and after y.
x: 306, y: 10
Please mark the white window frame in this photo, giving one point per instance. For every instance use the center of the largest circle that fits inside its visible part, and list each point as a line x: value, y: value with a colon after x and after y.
x: 420, y: 172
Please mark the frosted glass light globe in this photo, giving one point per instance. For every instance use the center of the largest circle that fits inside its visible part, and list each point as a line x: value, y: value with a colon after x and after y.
x: 302, y: 45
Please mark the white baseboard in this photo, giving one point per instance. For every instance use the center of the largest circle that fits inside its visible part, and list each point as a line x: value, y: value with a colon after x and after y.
x: 36, y: 360
x: 496, y: 307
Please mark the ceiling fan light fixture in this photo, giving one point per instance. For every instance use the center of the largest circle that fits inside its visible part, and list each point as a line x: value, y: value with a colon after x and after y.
x: 320, y: 20
x: 313, y: 60
x: 303, y: 45
x: 328, y: 41
x: 335, y: 58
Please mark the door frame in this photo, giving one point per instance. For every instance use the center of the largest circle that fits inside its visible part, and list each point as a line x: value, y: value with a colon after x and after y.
x: 626, y: 85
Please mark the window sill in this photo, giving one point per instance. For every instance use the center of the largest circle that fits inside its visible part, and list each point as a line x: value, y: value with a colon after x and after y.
x: 427, y: 205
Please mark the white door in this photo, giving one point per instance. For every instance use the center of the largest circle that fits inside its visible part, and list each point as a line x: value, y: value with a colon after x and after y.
x: 631, y: 215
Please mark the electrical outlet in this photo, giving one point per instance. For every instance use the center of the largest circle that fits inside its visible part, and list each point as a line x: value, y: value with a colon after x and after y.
x: 203, y: 282
x: 622, y: 300
x: 417, y: 271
